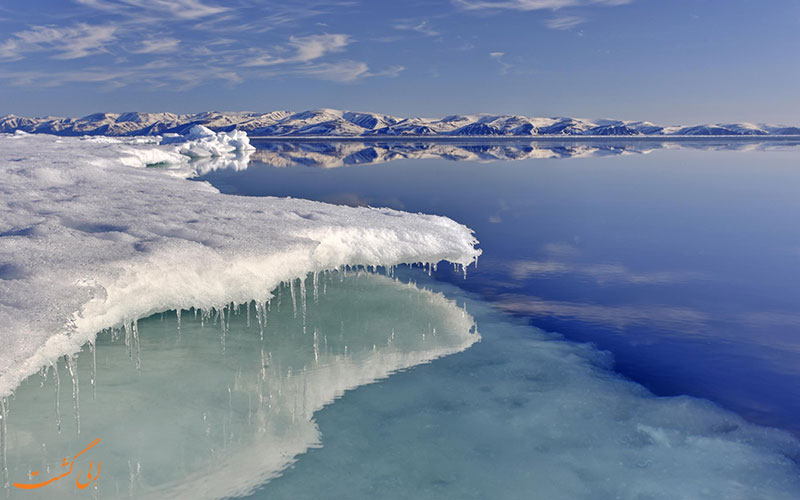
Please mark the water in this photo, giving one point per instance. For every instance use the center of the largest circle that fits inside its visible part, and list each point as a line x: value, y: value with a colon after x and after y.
x: 218, y: 407
x: 680, y: 263
x: 684, y: 262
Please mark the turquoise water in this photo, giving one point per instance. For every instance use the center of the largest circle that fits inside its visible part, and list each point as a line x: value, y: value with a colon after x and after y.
x: 226, y: 401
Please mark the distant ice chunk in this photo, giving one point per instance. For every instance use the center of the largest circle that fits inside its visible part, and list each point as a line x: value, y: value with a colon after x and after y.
x: 202, y: 142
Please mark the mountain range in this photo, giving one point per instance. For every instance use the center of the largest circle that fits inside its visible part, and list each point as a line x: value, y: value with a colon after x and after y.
x: 337, y: 123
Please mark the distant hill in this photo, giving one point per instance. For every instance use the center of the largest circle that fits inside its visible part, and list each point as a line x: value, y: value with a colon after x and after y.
x: 337, y: 123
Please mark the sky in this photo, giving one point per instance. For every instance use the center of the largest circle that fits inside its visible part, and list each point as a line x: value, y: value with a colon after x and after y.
x: 667, y: 61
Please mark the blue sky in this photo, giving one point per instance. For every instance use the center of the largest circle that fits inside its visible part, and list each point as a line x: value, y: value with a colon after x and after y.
x: 670, y: 61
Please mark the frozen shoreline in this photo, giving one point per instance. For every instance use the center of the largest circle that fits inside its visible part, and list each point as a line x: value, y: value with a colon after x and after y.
x: 90, y: 239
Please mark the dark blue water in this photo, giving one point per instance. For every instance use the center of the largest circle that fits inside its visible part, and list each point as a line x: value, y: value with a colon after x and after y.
x: 683, y: 263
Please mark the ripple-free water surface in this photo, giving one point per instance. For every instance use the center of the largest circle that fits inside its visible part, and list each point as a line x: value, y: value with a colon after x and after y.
x: 684, y: 262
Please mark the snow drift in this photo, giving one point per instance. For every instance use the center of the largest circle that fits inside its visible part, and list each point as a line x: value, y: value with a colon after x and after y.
x: 88, y: 242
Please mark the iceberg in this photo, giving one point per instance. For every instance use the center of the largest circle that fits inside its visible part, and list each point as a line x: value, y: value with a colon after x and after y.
x: 91, y: 239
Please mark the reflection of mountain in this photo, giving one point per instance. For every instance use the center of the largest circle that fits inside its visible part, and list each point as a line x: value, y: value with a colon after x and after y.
x: 215, y: 410
x: 337, y: 123
x: 345, y: 153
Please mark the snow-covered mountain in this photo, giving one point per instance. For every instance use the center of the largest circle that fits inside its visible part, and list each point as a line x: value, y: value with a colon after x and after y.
x: 337, y: 123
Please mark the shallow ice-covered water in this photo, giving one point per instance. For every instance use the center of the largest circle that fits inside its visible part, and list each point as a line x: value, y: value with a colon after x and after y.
x: 226, y: 401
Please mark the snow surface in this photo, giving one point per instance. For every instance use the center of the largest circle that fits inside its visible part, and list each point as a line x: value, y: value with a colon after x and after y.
x: 90, y: 239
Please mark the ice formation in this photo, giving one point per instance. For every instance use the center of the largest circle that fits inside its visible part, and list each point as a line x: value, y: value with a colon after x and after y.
x: 201, y: 142
x: 89, y: 241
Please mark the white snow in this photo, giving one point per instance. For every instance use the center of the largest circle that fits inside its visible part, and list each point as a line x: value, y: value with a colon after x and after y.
x: 201, y: 142
x: 89, y: 241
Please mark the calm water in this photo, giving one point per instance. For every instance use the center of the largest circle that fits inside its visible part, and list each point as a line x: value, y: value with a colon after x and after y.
x: 683, y: 263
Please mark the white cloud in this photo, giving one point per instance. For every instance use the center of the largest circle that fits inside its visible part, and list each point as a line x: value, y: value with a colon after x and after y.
x: 306, y: 49
x: 504, y: 66
x: 565, y: 22
x: 341, y: 71
x: 73, y: 42
x: 422, y: 27
x: 347, y: 71
x: 179, y: 9
x: 157, y: 46
x: 533, y: 4
x: 218, y: 41
x: 315, y: 46
x: 390, y: 72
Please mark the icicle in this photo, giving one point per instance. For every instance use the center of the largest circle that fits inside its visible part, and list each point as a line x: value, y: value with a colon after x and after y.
x: 303, y: 300
x: 248, y: 314
x: 263, y: 371
x: 135, y: 330
x: 93, y: 350
x: 294, y: 300
x: 221, y: 316
x: 71, y: 362
x: 128, y: 339
x: 258, y: 318
x: 316, y: 346
x: 315, y: 281
x: 178, y: 314
x: 58, y: 396
x: 134, y: 476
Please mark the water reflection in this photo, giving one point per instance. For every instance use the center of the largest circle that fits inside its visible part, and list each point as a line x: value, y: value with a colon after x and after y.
x: 223, y: 401
x: 683, y: 263
x: 347, y: 153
